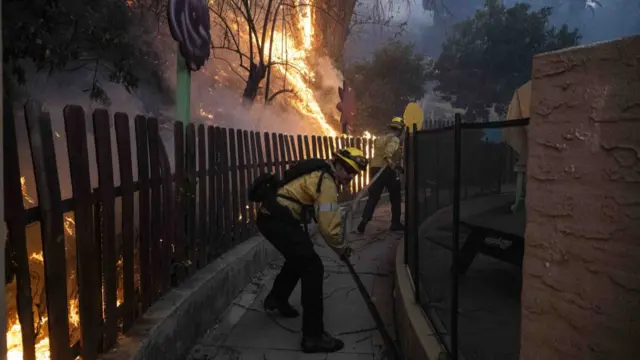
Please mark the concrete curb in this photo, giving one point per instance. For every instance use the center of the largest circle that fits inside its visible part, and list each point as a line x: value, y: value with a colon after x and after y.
x: 173, y: 324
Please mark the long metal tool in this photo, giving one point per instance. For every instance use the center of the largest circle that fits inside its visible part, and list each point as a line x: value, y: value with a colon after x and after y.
x: 392, y: 351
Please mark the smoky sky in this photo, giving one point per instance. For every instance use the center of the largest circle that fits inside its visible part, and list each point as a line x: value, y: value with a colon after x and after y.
x: 614, y: 19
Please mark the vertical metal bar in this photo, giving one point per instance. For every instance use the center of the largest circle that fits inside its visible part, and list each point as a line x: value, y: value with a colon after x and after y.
x: 408, y: 165
x: 415, y: 210
x: 457, y: 133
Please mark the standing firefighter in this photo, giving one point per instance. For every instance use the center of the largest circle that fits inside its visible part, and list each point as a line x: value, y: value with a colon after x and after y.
x: 308, y: 191
x: 388, y: 155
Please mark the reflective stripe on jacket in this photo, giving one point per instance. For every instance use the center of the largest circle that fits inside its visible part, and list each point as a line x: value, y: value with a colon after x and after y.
x: 386, y: 148
x: 325, y: 204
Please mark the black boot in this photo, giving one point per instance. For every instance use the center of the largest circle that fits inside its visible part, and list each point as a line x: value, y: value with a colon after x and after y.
x: 397, y: 227
x: 324, y: 343
x: 361, y: 226
x: 283, y: 307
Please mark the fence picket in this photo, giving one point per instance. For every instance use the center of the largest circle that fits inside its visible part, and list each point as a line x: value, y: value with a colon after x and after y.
x: 235, y: 204
x: 123, y: 140
x: 261, y: 166
x: 291, y: 150
x: 250, y: 153
x: 106, y: 196
x: 190, y: 197
x: 242, y: 186
x: 300, y: 151
x: 359, y: 178
x: 213, y: 211
x: 277, y: 166
x: 325, y: 144
x: 202, y: 198
x: 269, y: 162
x: 180, y: 251
x: 168, y: 217
x: 142, y: 152
x: 220, y: 194
x: 156, y: 211
x: 306, y: 146
x: 314, y: 145
x: 226, y: 190
x: 283, y: 157
x: 15, y: 218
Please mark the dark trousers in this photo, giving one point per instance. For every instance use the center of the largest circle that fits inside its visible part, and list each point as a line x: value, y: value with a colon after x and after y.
x: 286, y: 234
x: 388, y: 179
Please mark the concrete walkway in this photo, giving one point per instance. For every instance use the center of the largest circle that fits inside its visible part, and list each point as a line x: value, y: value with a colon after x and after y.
x: 246, y: 332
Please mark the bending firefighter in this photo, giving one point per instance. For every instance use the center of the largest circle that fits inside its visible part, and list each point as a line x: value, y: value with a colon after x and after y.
x: 309, y: 190
x: 388, y: 155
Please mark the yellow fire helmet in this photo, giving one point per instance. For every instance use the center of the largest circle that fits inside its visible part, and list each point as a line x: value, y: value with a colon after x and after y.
x: 396, y: 123
x: 352, y: 157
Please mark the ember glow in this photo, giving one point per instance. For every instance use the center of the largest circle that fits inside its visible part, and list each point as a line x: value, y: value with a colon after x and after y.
x: 14, y: 330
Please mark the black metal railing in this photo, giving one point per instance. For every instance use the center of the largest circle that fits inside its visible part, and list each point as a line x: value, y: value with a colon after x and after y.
x: 454, y: 172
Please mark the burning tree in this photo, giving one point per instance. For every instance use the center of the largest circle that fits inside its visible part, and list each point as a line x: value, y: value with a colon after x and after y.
x: 250, y: 30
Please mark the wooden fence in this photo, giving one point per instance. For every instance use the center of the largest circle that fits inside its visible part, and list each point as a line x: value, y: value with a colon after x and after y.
x: 186, y: 216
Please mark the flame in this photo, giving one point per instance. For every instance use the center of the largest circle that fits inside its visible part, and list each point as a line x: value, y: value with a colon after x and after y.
x: 206, y: 114
x: 286, y: 51
x: 14, y: 331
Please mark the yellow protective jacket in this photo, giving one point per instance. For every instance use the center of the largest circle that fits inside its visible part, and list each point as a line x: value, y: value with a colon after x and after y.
x: 387, y: 150
x: 325, y: 204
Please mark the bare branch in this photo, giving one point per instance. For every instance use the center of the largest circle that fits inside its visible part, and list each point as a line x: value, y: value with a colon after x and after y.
x: 283, y: 91
x: 231, y: 67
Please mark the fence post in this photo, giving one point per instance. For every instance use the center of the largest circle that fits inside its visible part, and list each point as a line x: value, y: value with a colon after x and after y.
x: 415, y: 210
x: 408, y: 165
x: 457, y: 133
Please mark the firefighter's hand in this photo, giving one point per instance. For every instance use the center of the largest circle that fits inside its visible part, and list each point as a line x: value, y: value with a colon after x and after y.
x: 345, y: 252
x: 400, y: 170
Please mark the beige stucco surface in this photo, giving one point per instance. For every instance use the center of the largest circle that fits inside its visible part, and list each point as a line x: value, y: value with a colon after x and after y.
x: 581, y: 286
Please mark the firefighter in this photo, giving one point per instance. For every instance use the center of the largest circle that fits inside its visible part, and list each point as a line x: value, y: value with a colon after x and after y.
x: 387, y: 155
x: 308, y: 190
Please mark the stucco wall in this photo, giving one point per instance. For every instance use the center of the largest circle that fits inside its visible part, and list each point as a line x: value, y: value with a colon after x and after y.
x: 581, y: 290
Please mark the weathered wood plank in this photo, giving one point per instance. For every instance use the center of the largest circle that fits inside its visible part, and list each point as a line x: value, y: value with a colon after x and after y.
x: 142, y: 153
x: 228, y: 218
x: 269, y: 162
x: 190, y: 197
x: 250, y: 151
x: 180, y: 241
x: 53, y: 246
x: 307, y: 150
x: 221, y: 198
x: 242, y: 186
x: 212, y: 202
x: 325, y: 143
x: 301, y: 155
x: 123, y: 140
x: 156, y: 210
x: 107, y: 200
x: 17, y: 256
x: 202, y: 198
x: 261, y: 161
x: 168, y: 217
x: 235, y: 203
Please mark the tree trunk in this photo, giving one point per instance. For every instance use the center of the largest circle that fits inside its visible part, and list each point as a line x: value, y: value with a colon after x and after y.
x: 256, y: 75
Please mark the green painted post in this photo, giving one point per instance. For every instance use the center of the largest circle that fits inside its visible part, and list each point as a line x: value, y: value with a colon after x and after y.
x: 183, y: 91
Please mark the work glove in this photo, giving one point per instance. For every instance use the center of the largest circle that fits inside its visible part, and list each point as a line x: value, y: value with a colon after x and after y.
x: 345, y: 252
